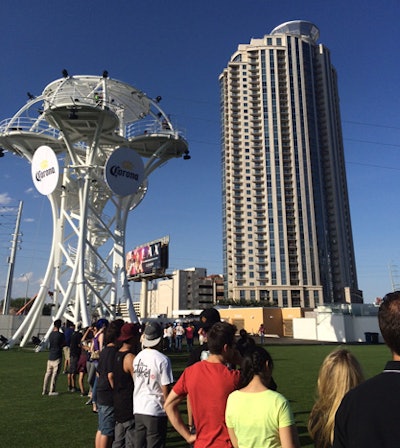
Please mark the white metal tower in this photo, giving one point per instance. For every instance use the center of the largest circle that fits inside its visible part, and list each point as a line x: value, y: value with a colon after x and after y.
x: 85, y: 119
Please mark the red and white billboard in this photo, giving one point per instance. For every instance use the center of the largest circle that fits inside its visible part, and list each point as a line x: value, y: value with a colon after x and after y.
x: 150, y: 258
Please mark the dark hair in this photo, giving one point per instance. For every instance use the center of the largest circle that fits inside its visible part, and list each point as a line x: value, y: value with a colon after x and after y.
x: 113, y: 331
x: 221, y: 333
x: 254, y: 362
x: 243, y: 333
x: 57, y: 323
x: 389, y: 320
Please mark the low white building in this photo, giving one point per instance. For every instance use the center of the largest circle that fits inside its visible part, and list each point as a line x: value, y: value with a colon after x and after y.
x: 342, y: 323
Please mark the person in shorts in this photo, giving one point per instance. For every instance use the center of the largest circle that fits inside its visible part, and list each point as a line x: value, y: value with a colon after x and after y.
x: 105, y: 384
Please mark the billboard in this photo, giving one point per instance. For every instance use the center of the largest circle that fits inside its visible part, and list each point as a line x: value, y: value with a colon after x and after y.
x: 149, y: 258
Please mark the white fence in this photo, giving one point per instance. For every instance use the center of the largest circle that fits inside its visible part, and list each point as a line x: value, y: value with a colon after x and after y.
x: 9, y: 324
x: 329, y: 327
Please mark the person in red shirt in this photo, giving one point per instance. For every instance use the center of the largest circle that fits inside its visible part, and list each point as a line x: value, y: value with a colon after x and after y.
x: 208, y: 382
x: 189, y: 330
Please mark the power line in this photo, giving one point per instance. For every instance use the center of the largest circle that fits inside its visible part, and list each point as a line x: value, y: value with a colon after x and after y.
x: 373, y: 166
x: 371, y: 143
x: 375, y: 125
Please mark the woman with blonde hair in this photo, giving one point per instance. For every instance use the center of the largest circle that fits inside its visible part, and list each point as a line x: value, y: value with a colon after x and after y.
x: 339, y: 372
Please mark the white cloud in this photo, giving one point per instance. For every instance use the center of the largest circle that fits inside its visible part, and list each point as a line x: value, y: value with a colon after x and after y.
x: 30, y: 190
x: 5, y: 199
x: 23, y: 278
x: 29, y: 220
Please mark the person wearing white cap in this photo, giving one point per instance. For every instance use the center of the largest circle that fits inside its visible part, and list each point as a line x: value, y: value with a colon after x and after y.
x: 152, y: 377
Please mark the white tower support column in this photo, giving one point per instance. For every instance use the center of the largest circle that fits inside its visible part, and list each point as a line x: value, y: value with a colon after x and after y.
x: 144, y: 299
x: 87, y: 122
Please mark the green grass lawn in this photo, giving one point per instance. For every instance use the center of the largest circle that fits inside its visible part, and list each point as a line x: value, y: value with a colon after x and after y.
x: 29, y: 419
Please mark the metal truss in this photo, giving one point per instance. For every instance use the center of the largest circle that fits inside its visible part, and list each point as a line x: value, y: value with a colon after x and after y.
x: 83, y: 119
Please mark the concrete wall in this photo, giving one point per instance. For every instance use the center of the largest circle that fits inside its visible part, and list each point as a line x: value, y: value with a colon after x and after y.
x: 331, y: 328
x: 328, y: 327
x: 247, y: 318
x: 305, y: 328
x: 325, y: 327
x: 9, y: 325
x: 273, y: 321
x: 366, y: 324
x: 276, y: 320
x: 251, y: 318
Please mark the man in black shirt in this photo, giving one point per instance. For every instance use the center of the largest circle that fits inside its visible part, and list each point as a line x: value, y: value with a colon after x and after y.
x: 56, y: 343
x: 369, y: 415
x: 75, y: 350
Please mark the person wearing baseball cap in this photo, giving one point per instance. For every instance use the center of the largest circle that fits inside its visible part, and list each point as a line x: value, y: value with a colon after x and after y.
x: 153, y: 377
x: 123, y: 385
x: 208, y: 318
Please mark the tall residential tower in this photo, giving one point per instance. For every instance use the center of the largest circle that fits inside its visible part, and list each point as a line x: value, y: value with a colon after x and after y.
x: 286, y: 220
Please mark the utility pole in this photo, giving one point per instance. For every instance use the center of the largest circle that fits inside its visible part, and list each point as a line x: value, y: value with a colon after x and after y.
x: 11, y: 262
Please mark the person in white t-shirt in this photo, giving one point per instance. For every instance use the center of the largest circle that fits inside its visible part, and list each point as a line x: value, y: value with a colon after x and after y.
x: 152, y: 378
x: 179, y: 332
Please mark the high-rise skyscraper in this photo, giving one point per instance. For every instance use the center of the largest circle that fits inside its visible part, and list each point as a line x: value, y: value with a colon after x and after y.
x: 286, y: 221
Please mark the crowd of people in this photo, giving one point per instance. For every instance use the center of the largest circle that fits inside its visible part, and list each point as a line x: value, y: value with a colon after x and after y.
x: 231, y: 397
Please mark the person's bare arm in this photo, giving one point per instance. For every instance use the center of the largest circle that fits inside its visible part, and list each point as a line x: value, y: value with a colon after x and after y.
x: 171, y: 408
x: 189, y: 412
x: 128, y: 363
x: 110, y: 377
x: 289, y: 437
x: 165, y: 391
x: 233, y: 438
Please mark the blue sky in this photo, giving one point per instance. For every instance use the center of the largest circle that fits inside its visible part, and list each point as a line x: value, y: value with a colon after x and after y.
x: 177, y: 49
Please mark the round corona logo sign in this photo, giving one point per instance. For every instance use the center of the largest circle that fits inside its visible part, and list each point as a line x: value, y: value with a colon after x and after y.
x: 45, y: 170
x: 124, y: 171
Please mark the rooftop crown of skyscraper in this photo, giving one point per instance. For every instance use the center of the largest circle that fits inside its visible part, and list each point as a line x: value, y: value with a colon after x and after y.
x: 300, y: 27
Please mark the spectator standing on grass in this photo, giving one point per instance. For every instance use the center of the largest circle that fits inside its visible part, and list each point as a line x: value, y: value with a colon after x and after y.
x: 369, y: 414
x: 208, y: 383
x: 244, y: 342
x: 123, y: 386
x: 75, y: 350
x: 169, y: 334
x: 82, y: 367
x: 189, y: 332
x: 96, y: 347
x: 153, y: 377
x: 87, y: 341
x: 105, y: 385
x: 208, y: 318
x: 257, y: 416
x: 179, y: 333
x: 56, y: 344
x: 67, y: 329
x: 261, y: 333
x: 339, y: 372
